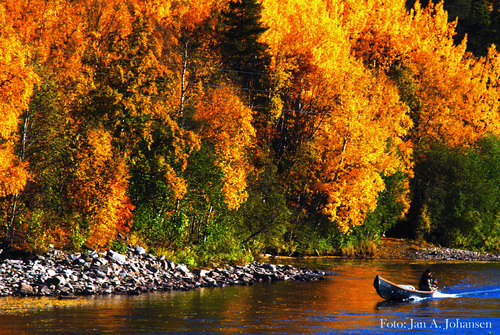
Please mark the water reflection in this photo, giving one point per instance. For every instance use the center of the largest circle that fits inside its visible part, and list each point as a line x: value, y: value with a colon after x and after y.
x: 346, y: 302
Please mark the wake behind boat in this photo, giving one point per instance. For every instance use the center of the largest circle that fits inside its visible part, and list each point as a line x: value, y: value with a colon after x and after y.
x: 391, y: 291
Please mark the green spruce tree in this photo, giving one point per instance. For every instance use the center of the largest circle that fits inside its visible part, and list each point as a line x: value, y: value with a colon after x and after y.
x: 241, y: 52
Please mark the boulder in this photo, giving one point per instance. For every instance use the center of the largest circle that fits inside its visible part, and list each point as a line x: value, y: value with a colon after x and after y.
x: 26, y: 289
x: 45, y: 290
x: 139, y: 250
x: 184, y: 270
x: 201, y: 273
x: 151, y: 268
x: 119, y: 258
x: 56, y: 280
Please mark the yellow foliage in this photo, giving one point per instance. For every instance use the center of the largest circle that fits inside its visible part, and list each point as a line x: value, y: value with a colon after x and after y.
x: 177, y: 184
x: 337, y: 103
x: 99, y: 191
x: 458, y: 92
x: 13, y: 173
x: 16, y: 87
x: 158, y: 9
x: 227, y: 124
x: 100, y: 145
x: 192, y: 12
x: 356, y: 120
x: 335, y: 61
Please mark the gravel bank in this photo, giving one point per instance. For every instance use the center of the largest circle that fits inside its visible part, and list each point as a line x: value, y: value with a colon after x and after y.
x: 394, y: 248
x: 449, y: 254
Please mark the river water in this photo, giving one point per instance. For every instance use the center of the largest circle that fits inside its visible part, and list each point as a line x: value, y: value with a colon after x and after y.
x: 469, y: 303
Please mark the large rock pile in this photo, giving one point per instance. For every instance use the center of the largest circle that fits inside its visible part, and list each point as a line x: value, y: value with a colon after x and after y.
x: 66, y: 275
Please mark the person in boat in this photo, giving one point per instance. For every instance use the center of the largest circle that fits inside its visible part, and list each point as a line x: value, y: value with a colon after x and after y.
x: 427, y: 283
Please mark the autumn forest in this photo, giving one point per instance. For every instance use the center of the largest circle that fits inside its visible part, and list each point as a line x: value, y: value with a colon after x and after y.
x: 212, y: 131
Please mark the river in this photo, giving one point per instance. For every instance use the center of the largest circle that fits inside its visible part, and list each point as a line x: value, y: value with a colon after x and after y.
x: 343, y: 303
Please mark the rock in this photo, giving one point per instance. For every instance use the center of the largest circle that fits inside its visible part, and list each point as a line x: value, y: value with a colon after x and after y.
x: 100, y: 264
x: 99, y: 274
x: 119, y: 258
x: 26, y: 289
x: 184, y: 270
x: 45, y: 290
x: 66, y: 274
x: 270, y: 267
x: 201, y: 273
x: 151, y: 268
x: 170, y: 264
x: 78, y: 262
x: 453, y: 254
x: 65, y: 291
x: 89, y: 289
x: 120, y: 289
x: 56, y: 280
x: 139, y: 250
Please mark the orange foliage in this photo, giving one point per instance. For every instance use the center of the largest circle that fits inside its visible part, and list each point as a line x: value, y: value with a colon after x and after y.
x: 13, y: 173
x: 99, y: 189
x: 190, y: 13
x: 356, y: 115
x: 184, y: 142
x: 353, y: 153
x: 342, y: 117
x: 227, y: 124
x: 355, y: 119
x: 457, y: 93
x: 16, y: 86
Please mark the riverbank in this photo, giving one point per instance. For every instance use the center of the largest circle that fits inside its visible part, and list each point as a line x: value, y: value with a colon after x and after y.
x: 392, y: 248
x: 67, y: 275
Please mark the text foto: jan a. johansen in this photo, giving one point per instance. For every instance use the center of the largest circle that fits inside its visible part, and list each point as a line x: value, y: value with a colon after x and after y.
x: 435, y: 324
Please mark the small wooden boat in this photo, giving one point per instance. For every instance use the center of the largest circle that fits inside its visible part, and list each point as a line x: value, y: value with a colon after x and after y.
x: 391, y: 291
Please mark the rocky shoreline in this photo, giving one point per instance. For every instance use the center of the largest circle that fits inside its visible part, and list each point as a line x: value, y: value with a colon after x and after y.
x: 449, y: 254
x: 67, y: 275
x: 398, y: 248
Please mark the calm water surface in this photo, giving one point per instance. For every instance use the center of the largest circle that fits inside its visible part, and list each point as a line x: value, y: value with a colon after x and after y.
x: 344, y: 303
